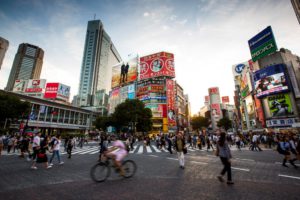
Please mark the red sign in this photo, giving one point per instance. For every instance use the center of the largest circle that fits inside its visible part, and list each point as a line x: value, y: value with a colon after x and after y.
x: 225, y: 99
x: 259, y: 111
x: 157, y: 88
x: 213, y: 90
x: 51, y: 90
x: 171, y: 102
x: 155, y: 65
x: 216, y: 109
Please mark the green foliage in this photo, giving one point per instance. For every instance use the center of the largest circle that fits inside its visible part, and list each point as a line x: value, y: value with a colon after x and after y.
x: 132, y: 111
x: 12, y: 107
x: 198, y: 122
x: 225, y: 123
x: 102, y: 122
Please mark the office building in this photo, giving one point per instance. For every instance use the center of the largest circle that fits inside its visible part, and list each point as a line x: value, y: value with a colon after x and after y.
x: 98, y: 58
x: 296, y: 6
x: 3, y: 48
x: 27, y: 64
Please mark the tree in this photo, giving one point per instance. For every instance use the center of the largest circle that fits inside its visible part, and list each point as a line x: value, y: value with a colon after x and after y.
x: 225, y: 122
x: 198, y: 122
x: 12, y: 107
x: 102, y: 122
x: 132, y: 113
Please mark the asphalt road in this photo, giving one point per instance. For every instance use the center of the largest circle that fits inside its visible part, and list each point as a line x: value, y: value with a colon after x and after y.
x: 257, y: 175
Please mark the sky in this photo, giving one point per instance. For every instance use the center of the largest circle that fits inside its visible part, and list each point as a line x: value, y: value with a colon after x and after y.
x: 207, y: 37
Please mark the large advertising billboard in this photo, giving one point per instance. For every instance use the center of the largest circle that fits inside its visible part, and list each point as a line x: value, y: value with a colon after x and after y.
x: 63, y: 91
x: 216, y: 109
x: 245, y: 82
x: 20, y: 85
x: 214, y: 95
x: 51, y: 90
x: 171, y: 102
x: 155, y: 65
x: 225, y: 99
x: 280, y: 105
x: 270, y: 80
x: 35, y: 85
x: 262, y: 44
x: 124, y: 72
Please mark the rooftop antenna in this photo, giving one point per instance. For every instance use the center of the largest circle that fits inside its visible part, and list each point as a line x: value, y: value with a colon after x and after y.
x: 94, y: 16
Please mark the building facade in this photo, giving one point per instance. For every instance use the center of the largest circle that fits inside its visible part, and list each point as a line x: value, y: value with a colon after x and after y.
x: 3, y: 48
x: 296, y: 6
x: 27, y: 64
x: 98, y: 58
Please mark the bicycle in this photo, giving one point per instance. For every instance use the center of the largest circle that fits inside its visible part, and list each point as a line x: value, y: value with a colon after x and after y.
x: 101, y: 171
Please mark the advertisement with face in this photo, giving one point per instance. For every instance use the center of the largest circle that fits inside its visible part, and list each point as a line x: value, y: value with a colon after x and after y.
x: 245, y: 82
x: 124, y: 72
x: 270, y: 80
x: 280, y: 105
x: 216, y: 109
x: 171, y: 102
x: 156, y: 65
x: 225, y: 99
x: 35, y: 85
x: 63, y: 92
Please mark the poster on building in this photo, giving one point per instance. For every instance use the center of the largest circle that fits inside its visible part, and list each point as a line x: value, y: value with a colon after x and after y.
x: 216, y: 109
x: 156, y: 65
x: 270, y: 80
x: 124, y: 72
x: 63, y: 92
x: 238, y: 68
x: 280, y: 105
x: 259, y: 111
x: 171, y: 102
x: 35, y: 85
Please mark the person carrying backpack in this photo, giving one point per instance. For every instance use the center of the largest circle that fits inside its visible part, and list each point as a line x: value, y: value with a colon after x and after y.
x: 284, y: 148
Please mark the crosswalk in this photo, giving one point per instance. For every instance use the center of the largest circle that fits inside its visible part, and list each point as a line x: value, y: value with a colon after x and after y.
x: 139, y: 148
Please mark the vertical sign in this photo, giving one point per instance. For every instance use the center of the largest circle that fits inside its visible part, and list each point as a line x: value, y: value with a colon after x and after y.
x: 171, y: 102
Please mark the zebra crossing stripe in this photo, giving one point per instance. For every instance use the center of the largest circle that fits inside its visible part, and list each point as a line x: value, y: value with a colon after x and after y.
x: 134, y: 149
x: 148, y: 149
x: 94, y: 152
x: 155, y: 149
x: 190, y: 149
x: 164, y: 150
x: 81, y: 151
x: 90, y: 150
x: 141, y: 149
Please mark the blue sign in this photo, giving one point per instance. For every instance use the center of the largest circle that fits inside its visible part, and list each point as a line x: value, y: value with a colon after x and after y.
x: 261, y: 38
x: 239, y: 68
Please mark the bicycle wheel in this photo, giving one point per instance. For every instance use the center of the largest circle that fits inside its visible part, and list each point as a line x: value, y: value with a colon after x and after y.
x: 129, y: 168
x: 100, y: 172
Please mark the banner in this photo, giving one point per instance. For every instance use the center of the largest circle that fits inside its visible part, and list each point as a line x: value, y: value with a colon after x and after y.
x: 171, y: 102
x: 216, y: 109
x: 20, y: 85
x: 280, y: 105
x: 63, y: 91
x: 124, y: 73
x: 225, y: 99
x: 155, y: 65
x: 214, y: 95
x: 51, y: 90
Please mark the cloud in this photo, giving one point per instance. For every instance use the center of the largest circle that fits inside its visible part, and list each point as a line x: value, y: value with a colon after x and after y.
x: 146, y: 14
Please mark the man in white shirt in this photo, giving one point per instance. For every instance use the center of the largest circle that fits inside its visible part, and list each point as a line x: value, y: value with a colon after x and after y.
x: 36, y: 147
x: 56, y: 150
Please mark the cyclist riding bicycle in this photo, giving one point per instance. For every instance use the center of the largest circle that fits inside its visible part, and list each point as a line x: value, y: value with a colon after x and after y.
x: 117, y: 153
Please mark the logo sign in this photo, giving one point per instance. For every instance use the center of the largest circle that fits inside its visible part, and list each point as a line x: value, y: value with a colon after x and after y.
x: 262, y: 44
x: 280, y: 122
x: 157, y: 65
x: 51, y: 90
x: 225, y: 99
x: 270, y: 80
x: 171, y: 102
x: 280, y: 105
x: 239, y: 68
x: 19, y: 85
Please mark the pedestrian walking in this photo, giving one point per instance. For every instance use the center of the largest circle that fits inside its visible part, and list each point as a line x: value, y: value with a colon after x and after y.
x: 223, y: 151
x: 41, y: 154
x: 56, y: 150
x: 180, y: 148
x: 10, y: 143
x: 169, y: 141
x: 36, y: 147
x: 70, y: 144
x: 284, y: 148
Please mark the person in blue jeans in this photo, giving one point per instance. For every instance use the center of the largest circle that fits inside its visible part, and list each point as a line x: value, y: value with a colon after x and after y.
x: 56, y: 141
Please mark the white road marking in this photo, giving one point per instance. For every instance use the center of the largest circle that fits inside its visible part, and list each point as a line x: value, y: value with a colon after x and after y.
x: 153, y: 156
x: 241, y: 169
x: 201, y: 163
x: 91, y: 150
x: 286, y: 176
x: 148, y: 149
x: 172, y: 158
x: 155, y: 148
x: 141, y: 149
x: 245, y: 159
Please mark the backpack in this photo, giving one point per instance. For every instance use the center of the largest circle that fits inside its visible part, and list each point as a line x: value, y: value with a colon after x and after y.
x: 52, y: 143
x: 279, y: 149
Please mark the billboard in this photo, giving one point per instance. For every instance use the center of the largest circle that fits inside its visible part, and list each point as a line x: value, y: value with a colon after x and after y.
x: 245, y: 82
x: 238, y: 68
x: 170, y: 84
x: 51, y: 90
x: 214, y: 95
x: 156, y: 65
x: 158, y: 110
x: 225, y: 99
x: 280, y: 105
x: 35, y: 85
x: 20, y: 85
x: 262, y: 44
x: 270, y: 80
x: 215, y: 109
x: 124, y: 72
x: 63, y: 91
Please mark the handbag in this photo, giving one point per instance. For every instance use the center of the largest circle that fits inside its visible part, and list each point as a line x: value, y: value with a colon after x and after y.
x: 184, y: 150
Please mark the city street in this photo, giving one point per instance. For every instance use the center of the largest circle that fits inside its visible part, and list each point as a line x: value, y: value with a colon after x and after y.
x: 257, y: 175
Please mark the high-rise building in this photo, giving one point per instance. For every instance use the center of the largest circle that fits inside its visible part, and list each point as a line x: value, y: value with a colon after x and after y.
x: 96, y: 71
x: 3, y: 48
x: 27, y: 64
x: 296, y: 6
